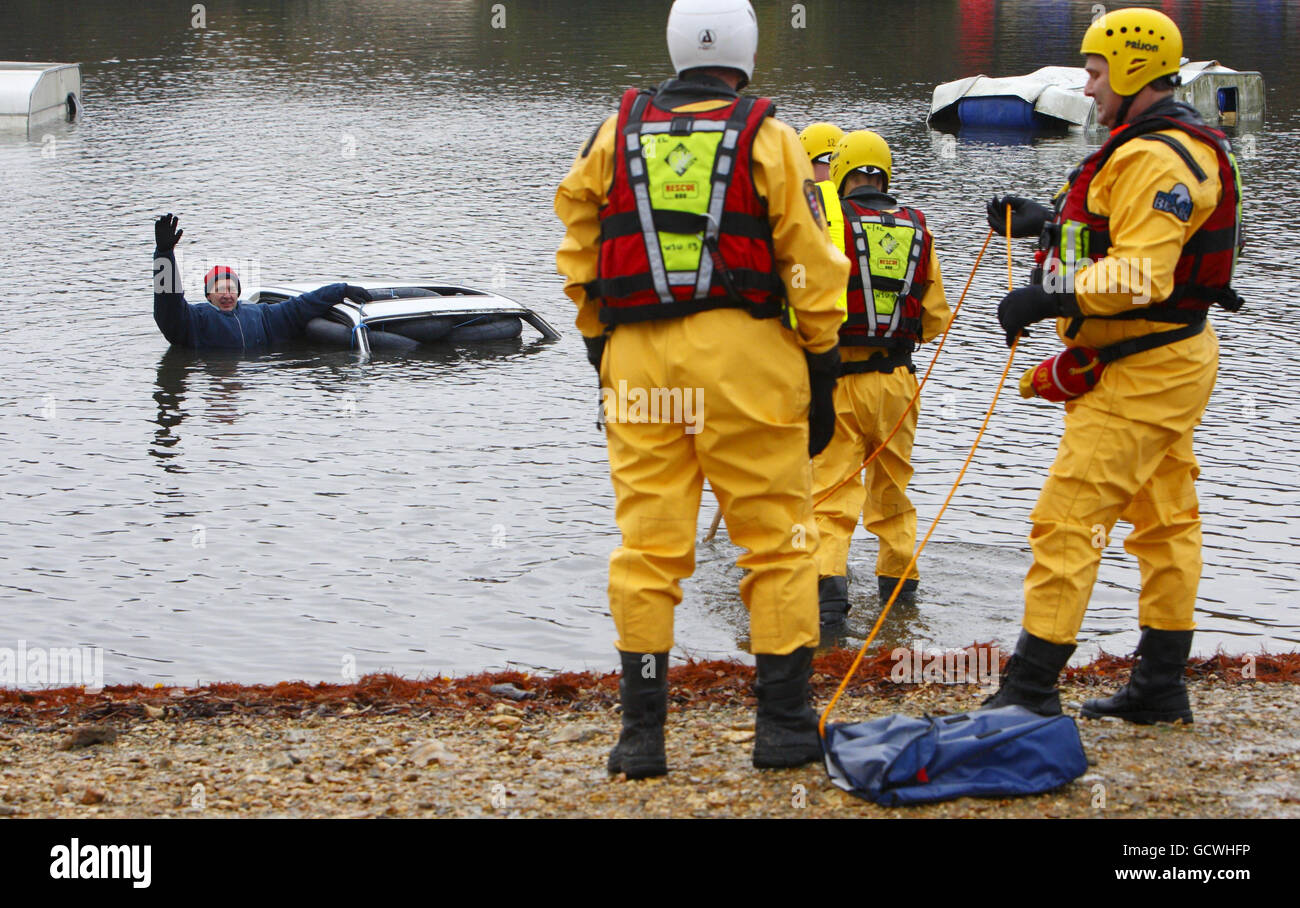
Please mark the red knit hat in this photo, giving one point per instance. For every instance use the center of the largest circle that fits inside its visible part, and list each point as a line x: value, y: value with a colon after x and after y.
x: 219, y: 272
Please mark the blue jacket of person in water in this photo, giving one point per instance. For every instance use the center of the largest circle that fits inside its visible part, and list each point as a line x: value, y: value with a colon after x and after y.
x: 224, y: 322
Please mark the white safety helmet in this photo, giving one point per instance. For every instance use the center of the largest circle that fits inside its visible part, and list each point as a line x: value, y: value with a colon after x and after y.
x: 713, y: 33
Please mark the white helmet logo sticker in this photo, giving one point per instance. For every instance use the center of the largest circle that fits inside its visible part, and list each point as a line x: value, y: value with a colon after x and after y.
x: 706, y: 39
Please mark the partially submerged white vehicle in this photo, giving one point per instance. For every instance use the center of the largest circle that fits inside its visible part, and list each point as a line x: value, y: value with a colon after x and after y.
x: 1052, y: 98
x: 34, y: 94
x: 406, y: 314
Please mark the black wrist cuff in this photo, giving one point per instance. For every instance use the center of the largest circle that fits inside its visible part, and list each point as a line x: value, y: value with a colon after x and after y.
x: 828, y: 362
x: 595, y: 348
x: 1066, y: 304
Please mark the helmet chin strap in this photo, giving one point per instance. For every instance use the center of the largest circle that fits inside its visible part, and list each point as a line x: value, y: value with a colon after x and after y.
x: 1124, y: 106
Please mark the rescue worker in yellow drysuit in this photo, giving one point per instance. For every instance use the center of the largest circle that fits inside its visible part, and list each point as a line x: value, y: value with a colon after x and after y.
x: 734, y: 236
x: 900, y: 305
x: 1157, y: 211
x: 818, y: 140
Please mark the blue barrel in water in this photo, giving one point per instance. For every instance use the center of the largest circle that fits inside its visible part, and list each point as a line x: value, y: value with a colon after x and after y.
x: 997, y: 112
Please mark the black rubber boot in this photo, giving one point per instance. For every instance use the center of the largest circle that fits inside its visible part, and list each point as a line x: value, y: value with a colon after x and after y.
x: 643, y: 690
x: 1155, y: 691
x: 1029, y: 680
x: 785, y: 730
x: 833, y: 600
x: 906, y: 596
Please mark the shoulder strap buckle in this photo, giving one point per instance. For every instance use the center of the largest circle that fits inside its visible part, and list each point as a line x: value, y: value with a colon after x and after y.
x: 681, y: 125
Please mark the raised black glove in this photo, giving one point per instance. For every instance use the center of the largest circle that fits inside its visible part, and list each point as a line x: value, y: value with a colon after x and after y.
x: 823, y: 371
x: 357, y: 294
x: 1026, y: 305
x: 165, y: 233
x: 595, y: 350
x: 1027, y: 216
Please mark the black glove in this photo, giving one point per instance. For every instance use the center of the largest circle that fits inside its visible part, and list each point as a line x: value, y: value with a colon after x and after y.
x: 1027, y: 216
x: 595, y: 350
x: 356, y: 294
x: 1026, y: 305
x: 165, y: 233
x: 823, y: 371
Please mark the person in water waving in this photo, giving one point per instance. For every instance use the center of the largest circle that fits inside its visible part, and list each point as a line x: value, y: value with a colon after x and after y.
x: 223, y: 322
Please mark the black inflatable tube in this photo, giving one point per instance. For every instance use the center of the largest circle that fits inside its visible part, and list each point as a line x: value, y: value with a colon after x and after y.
x: 460, y: 329
x: 403, y: 337
x: 486, y: 328
x: 324, y: 331
x: 426, y: 330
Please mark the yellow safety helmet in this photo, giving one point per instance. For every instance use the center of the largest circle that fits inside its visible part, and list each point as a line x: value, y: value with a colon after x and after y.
x: 861, y: 150
x: 1141, y: 45
x: 819, y: 139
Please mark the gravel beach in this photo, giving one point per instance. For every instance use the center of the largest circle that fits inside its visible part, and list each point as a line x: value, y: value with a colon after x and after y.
x: 513, y: 745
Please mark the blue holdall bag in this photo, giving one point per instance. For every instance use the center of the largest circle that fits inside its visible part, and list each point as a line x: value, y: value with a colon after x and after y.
x: 901, y: 760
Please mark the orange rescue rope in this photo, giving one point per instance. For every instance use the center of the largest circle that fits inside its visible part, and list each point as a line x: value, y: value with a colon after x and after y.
x: 717, y: 516
x: 925, y: 378
x: 1011, y: 355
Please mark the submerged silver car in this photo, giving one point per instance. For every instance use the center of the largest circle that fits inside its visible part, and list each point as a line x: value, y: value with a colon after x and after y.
x: 404, y: 315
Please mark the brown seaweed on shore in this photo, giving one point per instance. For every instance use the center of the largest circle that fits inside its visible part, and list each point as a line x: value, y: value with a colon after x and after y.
x: 694, y: 683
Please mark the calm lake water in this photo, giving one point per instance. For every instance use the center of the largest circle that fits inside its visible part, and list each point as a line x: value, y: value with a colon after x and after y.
x: 298, y: 514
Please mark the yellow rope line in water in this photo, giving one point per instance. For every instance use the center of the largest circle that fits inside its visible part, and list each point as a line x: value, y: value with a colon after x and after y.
x: 862, y: 651
x: 934, y: 359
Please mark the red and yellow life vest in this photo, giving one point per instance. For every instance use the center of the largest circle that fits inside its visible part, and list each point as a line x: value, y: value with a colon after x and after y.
x: 1204, y: 271
x: 890, y: 253
x: 684, y: 229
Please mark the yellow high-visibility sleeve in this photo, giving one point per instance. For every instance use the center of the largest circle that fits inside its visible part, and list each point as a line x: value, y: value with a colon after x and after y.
x: 815, y: 273
x: 935, y: 314
x: 1145, y: 241
x: 577, y: 202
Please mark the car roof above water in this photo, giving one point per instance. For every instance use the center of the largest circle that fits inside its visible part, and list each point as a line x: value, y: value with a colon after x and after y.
x: 396, y: 299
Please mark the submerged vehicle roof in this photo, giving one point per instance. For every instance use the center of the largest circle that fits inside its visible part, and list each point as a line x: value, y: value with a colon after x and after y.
x: 407, y: 299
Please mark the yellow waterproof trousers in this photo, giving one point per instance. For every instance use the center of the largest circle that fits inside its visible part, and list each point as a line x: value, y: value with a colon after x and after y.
x: 1126, y: 454
x: 748, y: 434
x: 866, y: 407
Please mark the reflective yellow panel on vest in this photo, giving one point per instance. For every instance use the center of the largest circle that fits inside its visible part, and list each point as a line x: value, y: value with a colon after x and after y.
x: 834, y: 213
x: 888, y: 249
x: 1236, y: 179
x: 679, y: 169
x: 1074, y: 251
